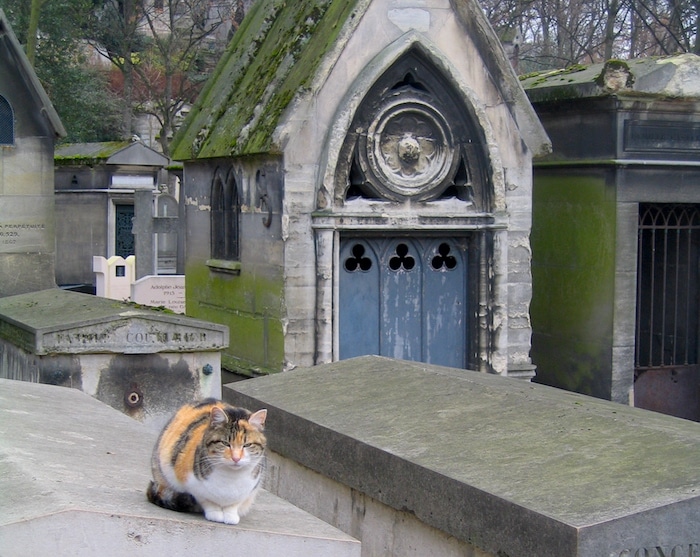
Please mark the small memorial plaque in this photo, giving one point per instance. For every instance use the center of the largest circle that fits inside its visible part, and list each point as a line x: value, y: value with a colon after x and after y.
x: 26, y: 225
x: 160, y: 291
x: 655, y: 135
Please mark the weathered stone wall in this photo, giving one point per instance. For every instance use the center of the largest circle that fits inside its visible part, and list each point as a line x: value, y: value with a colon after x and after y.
x: 27, y: 248
x: 574, y: 277
x: 249, y: 297
x: 82, y: 230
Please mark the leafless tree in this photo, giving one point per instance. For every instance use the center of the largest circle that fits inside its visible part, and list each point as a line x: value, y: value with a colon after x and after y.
x: 559, y: 33
x: 164, y: 50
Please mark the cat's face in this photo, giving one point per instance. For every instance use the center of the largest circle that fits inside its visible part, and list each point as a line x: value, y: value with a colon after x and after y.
x: 235, y: 442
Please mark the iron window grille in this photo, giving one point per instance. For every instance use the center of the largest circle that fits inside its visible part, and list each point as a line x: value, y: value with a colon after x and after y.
x: 668, y: 286
x: 7, y: 123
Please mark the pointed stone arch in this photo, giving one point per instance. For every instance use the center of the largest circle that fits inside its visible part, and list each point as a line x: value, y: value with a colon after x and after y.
x: 413, y: 137
x: 410, y: 78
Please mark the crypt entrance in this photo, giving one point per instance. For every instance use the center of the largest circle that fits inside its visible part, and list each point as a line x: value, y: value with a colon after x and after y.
x: 411, y: 227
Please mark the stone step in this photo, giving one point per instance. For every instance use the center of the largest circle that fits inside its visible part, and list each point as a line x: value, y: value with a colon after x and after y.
x: 73, y: 473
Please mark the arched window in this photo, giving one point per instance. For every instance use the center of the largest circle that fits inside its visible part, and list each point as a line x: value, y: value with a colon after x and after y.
x: 225, y: 209
x: 7, y: 123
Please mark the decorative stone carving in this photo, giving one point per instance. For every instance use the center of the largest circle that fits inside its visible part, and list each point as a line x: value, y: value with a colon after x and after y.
x: 408, y: 150
x: 413, y: 139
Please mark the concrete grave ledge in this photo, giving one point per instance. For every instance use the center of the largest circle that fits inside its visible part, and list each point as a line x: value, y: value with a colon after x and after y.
x: 73, y: 473
x: 509, y: 468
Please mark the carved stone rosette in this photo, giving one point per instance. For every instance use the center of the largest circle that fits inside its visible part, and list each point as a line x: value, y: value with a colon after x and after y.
x: 408, y: 150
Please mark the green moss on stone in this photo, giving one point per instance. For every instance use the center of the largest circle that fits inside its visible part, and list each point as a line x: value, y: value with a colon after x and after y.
x: 87, y: 154
x: 573, y: 246
x: 272, y: 57
x: 251, y: 306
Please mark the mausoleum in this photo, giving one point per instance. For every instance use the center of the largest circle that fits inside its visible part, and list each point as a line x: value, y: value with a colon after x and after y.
x: 109, y: 197
x: 357, y: 180
x: 616, y: 232
x: 29, y: 128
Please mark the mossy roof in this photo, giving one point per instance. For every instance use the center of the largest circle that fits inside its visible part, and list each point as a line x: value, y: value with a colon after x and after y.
x: 109, y: 152
x: 272, y: 57
x: 669, y: 76
x: 97, y: 151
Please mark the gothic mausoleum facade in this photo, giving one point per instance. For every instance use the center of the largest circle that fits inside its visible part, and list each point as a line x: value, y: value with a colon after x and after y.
x: 358, y: 180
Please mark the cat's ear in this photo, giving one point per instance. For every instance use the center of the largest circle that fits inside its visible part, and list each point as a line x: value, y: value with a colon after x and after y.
x: 217, y: 416
x: 257, y: 419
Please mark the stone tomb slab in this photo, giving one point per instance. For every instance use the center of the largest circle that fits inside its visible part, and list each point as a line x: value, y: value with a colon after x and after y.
x: 73, y: 478
x: 139, y: 360
x: 512, y: 467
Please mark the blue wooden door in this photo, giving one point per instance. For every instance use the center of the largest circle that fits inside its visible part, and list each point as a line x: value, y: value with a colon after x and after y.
x: 404, y: 298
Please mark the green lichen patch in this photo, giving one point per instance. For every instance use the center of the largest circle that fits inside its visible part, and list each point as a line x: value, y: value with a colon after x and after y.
x: 251, y: 306
x: 573, y: 275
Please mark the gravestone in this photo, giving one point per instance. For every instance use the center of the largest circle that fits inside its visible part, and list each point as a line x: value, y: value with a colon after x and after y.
x: 143, y: 362
x: 166, y: 291
x: 425, y: 460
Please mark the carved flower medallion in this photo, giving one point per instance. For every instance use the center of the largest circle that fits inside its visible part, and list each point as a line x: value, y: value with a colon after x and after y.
x: 409, y: 148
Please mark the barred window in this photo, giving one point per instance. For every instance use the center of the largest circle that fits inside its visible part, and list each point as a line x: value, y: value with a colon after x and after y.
x: 7, y: 123
x: 225, y: 210
x: 668, y: 290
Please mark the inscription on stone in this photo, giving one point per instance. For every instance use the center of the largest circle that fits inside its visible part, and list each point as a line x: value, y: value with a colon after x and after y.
x: 131, y: 337
x: 678, y: 550
x: 15, y: 236
x: 652, y: 135
x: 26, y: 224
x: 160, y: 291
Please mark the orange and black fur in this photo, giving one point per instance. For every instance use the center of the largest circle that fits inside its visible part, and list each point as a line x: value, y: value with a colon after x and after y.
x: 209, y: 458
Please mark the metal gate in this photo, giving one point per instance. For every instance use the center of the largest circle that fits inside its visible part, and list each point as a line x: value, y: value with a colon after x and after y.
x: 405, y: 298
x: 667, y: 370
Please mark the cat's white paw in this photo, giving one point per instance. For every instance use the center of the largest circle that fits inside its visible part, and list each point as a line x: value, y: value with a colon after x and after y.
x: 231, y: 516
x: 215, y: 515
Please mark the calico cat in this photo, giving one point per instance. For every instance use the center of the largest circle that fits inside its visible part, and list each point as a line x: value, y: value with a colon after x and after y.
x: 209, y: 458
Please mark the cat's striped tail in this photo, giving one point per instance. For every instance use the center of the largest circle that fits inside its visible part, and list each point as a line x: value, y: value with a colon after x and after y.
x: 171, y: 499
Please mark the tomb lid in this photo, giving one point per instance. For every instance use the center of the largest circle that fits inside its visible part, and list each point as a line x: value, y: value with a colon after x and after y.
x: 514, y: 467
x: 57, y: 321
x: 675, y: 76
